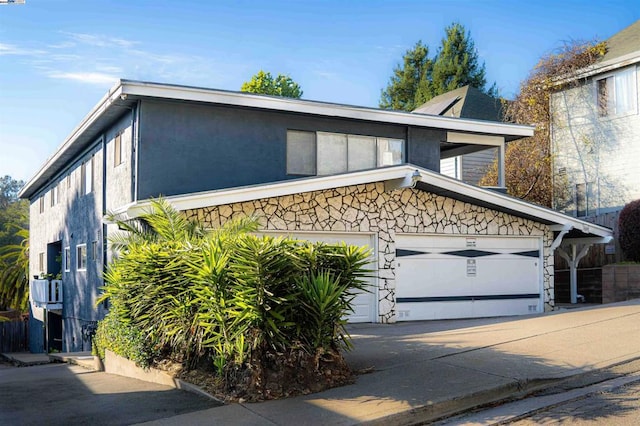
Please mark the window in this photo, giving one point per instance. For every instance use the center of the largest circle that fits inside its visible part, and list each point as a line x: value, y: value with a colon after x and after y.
x: 322, y: 153
x: 301, y: 153
x: 41, y: 202
x: 617, y: 93
x: 331, y: 153
x: 117, y: 150
x: 69, y: 181
x: 585, y: 199
x: 41, y: 262
x: 54, y: 195
x: 86, y: 172
x: 67, y: 259
x: 81, y: 257
x: 94, y: 251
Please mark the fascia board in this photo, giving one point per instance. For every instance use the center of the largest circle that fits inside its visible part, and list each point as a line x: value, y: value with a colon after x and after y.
x: 511, y: 203
x: 196, y: 94
x: 87, y: 121
x: 125, y: 88
x: 290, y: 187
x: 221, y: 197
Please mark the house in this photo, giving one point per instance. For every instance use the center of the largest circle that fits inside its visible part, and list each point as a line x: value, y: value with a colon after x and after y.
x: 466, y: 102
x: 595, y: 129
x: 319, y: 171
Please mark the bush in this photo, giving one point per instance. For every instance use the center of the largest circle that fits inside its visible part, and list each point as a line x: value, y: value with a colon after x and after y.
x: 629, y: 230
x: 228, y: 298
x: 122, y: 339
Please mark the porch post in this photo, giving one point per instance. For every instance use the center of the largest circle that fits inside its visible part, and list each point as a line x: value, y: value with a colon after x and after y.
x: 573, y: 260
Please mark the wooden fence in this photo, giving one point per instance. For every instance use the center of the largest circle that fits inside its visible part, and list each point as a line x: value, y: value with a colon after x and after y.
x: 14, y: 336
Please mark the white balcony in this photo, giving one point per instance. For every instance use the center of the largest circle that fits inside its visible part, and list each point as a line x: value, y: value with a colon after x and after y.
x: 46, y: 294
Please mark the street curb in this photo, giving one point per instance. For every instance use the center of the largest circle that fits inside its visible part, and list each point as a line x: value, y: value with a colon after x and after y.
x: 448, y: 408
x: 510, y: 392
x: 116, y: 364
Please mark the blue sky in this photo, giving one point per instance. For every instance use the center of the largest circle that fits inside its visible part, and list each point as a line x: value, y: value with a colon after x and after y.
x: 59, y: 57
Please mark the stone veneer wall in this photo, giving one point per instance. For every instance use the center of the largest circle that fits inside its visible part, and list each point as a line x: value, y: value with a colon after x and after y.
x: 368, y: 208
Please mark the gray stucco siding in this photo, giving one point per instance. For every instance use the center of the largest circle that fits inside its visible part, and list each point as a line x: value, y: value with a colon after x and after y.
x: 75, y: 220
x: 186, y: 148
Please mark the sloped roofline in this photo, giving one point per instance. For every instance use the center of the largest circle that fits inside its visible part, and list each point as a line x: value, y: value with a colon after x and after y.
x: 123, y: 96
x: 397, y: 176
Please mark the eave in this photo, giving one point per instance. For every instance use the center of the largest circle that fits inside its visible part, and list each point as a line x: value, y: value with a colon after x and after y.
x: 126, y: 93
x: 393, y: 177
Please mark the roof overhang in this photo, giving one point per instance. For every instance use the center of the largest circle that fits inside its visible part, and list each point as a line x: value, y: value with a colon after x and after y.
x: 601, y: 68
x: 394, y: 177
x: 126, y: 93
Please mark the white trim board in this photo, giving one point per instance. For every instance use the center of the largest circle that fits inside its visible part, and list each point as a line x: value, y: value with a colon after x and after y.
x: 409, y: 174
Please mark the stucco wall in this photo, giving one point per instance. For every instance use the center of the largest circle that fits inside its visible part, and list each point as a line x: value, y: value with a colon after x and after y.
x: 77, y: 219
x: 368, y: 208
x: 186, y: 148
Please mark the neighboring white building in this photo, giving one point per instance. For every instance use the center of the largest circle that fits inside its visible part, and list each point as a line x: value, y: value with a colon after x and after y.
x: 596, y: 133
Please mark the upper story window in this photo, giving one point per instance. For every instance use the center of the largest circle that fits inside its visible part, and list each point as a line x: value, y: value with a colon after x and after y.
x: 81, y: 257
x: 55, y: 194
x: 322, y: 153
x: 617, y: 93
x: 41, y: 262
x: 86, y: 172
x: 117, y: 150
x: 41, y: 204
x: 94, y: 251
x: 67, y: 259
x: 585, y: 199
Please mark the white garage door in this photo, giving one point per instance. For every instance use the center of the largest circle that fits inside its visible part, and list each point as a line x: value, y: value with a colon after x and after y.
x: 365, y: 303
x: 441, y: 277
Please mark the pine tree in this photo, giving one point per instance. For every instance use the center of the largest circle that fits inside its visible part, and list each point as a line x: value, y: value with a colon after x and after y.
x: 408, y: 80
x: 420, y: 78
x: 457, y: 63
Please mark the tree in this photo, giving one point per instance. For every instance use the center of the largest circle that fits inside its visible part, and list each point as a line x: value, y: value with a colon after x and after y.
x: 14, y: 245
x: 264, y: 83
x: 629, y: 230
x: 457, y: 64
x: 528, y: 161
x: 14, y: 273
x: 409, y: 81
x: 13, y: 212
x: 419, y: 78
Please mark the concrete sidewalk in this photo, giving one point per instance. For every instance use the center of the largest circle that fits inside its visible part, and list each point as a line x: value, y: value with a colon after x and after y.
x: 426, y: 370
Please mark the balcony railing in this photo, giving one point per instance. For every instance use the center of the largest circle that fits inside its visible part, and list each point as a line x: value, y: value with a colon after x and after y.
x: 46, y: 293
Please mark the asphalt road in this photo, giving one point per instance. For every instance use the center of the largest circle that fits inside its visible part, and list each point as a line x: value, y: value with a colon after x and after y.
x: 61, y: 394
x: 620, y: 406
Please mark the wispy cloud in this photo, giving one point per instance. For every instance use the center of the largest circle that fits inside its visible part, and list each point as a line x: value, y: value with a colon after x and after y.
x: 11, y: 49
x: 102, y: 59
x: 85, y: 77
x: 325, y: 74
x: 100, y: 40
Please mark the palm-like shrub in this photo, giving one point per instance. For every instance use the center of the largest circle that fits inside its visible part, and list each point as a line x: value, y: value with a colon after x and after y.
x: 14, y: 272
x: 629, y: 230
x: 227, y: 295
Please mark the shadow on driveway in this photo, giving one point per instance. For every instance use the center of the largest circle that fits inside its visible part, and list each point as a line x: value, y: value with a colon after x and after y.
x: 61, y: 394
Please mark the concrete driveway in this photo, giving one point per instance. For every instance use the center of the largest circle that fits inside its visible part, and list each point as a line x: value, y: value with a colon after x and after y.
x: 62, y: 394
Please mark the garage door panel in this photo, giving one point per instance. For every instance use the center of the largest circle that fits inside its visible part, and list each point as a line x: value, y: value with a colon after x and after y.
x: 440, y: 277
